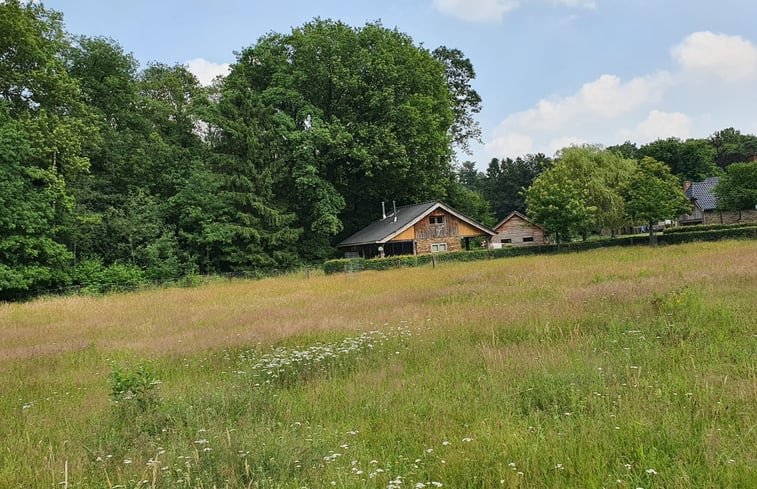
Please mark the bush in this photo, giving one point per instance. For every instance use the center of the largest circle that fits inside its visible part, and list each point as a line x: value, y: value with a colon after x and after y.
x: 135, y: 385
x: 95, y: 278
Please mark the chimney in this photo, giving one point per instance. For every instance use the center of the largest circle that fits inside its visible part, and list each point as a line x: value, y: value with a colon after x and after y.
x: 686, y: 185
x: 383, y: 210
x: 394, y: 205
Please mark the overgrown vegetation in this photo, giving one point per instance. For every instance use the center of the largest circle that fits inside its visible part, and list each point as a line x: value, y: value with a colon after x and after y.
x: 623, y: 367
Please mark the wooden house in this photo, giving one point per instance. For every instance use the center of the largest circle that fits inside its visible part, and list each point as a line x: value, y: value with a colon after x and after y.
x: 518, y: 230
x: 430, y: 227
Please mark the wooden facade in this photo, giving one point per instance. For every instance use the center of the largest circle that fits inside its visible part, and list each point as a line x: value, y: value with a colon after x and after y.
x: 518, y: 230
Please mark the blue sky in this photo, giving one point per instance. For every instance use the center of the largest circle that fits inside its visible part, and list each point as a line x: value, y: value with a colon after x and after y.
x: 551, y: 72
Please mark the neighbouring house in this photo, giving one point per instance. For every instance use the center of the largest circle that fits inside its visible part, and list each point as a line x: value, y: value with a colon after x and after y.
x: 704, y: 206
x: 430, y: 227
x: 518, y: 230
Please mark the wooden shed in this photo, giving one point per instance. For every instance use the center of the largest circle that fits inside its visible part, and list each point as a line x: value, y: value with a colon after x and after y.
x: 518, y: 230
x: 430, y: 227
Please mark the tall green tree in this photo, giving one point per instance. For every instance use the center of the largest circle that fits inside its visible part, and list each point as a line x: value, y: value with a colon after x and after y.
x: 505, y: 181
x: 357, y: 116
x: 737, y: 189
x: 654, y: 194
x: 731, y: 146
x: 693, y: 159
x: 46, y: 129
x: 465, y: 100
x: 555, y: 201
x: 32, y: 258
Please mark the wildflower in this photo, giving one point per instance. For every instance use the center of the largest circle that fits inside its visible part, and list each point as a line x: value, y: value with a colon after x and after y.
x: 651, y: 472
x: 127, y: 461
x: 559, y: 467
x: 429, y: 450
x: 467, y: 439
x: 446, y: 443
x: 436, y: 484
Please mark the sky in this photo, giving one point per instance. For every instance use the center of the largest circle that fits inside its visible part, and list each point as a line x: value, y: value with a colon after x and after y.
x: 551, y: 73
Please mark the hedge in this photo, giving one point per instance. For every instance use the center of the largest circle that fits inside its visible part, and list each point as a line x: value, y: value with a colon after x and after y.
x: 406, y: 261
x: 709, y: 235
x: 708, y: 227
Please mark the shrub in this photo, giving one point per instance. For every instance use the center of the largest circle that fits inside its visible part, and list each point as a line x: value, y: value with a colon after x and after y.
x: 135, y: 385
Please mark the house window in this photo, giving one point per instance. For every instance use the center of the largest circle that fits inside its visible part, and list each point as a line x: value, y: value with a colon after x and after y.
x: 438, y: 247
x: 436, y: 220
x: 506, y: 241
x: 528, y: 239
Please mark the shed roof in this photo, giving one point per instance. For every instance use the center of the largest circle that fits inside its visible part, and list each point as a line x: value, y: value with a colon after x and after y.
x: 513, y: 214
x: 385, y: 229
x: 702, y: 193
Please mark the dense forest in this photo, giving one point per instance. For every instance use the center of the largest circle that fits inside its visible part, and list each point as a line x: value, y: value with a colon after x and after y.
x: 115, y: 173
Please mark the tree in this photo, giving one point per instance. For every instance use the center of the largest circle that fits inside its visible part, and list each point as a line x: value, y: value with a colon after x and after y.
x: 600, y: 174
x: 465, y: 100
x: 505, y: 181
x: 733, y: 147
x: 693, y: 159
x: 654, y: 194
x: 31, y: 256
x: 45, y: 129
x: 356, y: 116
x: 737, y: 189
x: 554, y: 201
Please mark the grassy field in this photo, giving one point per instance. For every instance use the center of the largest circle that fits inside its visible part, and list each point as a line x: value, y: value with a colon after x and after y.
x: 619, y: 368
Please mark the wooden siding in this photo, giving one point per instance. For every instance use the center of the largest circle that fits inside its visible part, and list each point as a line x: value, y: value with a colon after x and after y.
x: 517, y: 228
x: 452, y: 227
x: 405, y: 235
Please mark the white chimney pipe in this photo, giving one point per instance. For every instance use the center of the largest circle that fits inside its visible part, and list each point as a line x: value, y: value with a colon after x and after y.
x: 383, y: 210
x: 394, y: 205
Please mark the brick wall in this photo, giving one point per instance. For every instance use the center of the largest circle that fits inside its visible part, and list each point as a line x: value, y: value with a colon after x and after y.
x: 730, y: 217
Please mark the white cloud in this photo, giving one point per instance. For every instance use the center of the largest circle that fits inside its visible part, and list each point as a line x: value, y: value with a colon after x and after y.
x: 510, y: 144
x: 476, y: 10
x: 603, y: 99
x: 710, y: 89
x: 659, y: 125
x: 590, y: 4
x: 207, y: 71
x: 495, y: 10
x: 732, y: 58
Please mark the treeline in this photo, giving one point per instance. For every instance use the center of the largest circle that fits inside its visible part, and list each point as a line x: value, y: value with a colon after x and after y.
x: 112, y: 172
x: 504, y: 182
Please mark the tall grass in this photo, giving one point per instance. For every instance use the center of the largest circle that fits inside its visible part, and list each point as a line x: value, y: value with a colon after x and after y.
x: 612, y: 368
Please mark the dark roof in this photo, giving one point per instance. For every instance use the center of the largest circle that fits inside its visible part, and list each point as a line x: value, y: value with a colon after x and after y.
x: 516, y: 213
x: 702, y: 193
x: 387, y: 228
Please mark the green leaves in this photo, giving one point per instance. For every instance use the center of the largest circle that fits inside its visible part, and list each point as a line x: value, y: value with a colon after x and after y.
x: 737, y: 189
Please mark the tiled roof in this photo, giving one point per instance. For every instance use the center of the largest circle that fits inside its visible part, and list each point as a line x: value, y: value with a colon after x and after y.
x: 702, y: 193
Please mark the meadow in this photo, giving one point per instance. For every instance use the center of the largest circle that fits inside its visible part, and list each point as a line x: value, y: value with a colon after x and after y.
x: 612, y: 368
